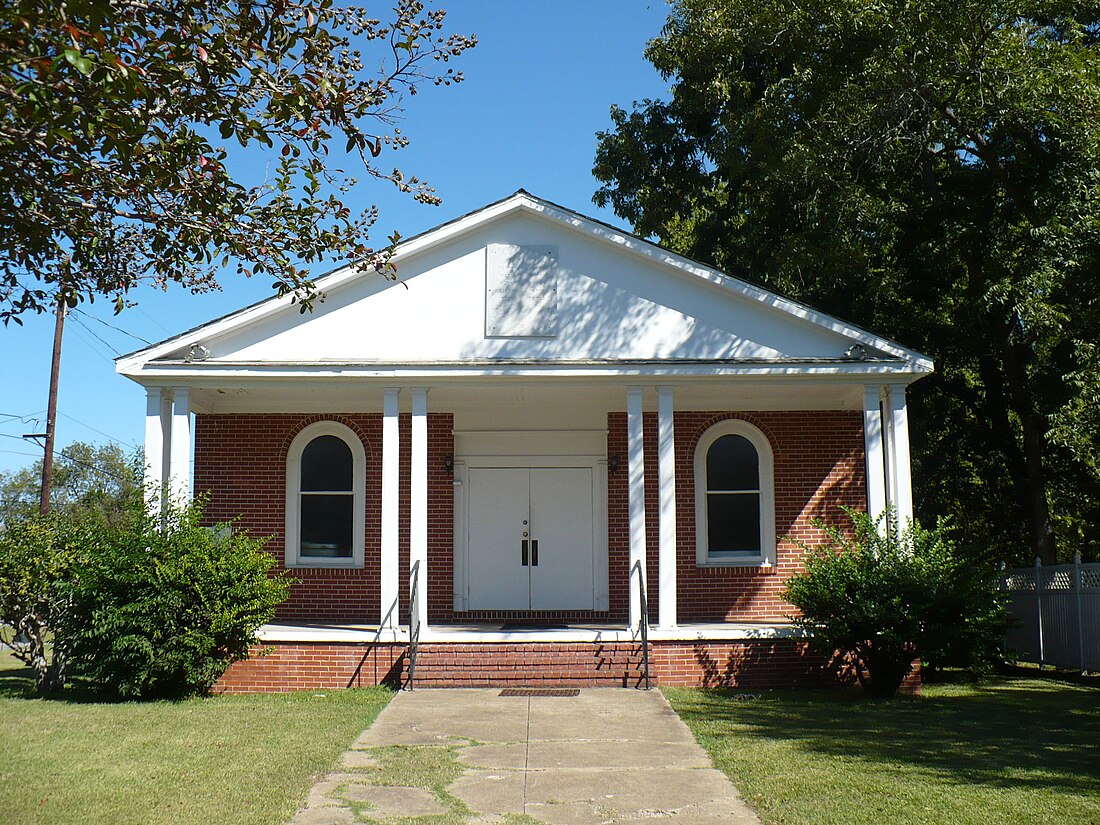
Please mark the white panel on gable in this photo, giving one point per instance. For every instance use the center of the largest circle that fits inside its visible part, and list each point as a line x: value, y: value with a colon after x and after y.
x: 521, y: 291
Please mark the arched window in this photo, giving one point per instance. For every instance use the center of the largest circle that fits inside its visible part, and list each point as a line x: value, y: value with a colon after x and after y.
x: 325, y: 507
x: 734, y: 496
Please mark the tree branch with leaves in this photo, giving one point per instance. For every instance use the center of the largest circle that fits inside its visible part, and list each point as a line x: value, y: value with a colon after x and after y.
x: 929, y: 170
x: 122, y: 125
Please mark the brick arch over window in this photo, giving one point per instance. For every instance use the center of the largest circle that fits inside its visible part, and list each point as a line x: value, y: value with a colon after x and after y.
x: 307, y: 421
x: 754, y: 420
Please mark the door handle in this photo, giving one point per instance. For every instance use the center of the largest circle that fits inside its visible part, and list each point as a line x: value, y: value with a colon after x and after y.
x: 535, y: 553
x: 523, y: 552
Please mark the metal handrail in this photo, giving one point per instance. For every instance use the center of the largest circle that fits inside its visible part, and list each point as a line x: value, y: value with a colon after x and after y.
x: 643, y: 621
x: 414, y: 622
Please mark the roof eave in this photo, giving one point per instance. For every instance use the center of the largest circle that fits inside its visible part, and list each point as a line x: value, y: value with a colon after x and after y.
x: 184, y: 372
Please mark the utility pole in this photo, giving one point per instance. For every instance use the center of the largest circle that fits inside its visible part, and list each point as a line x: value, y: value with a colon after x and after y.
x: 51, y: 413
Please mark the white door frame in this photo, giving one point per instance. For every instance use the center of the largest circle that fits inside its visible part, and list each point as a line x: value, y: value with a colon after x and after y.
x: 531, y: 449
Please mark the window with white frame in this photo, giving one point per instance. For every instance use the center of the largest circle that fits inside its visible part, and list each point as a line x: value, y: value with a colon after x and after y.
x: 325, y: 502
x: 734, y: 496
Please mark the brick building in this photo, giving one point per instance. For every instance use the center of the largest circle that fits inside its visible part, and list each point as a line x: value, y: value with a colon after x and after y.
x: 545, y: 437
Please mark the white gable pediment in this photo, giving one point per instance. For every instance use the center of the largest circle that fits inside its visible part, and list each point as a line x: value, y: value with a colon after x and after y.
x: 530, y: 284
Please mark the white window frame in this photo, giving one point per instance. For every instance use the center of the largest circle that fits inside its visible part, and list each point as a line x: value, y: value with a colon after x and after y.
x: 293, y: 541
x: 766, y: 467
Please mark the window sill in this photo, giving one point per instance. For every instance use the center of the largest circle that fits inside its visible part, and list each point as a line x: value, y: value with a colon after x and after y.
x: 321, y: 564
x: 756, y: 563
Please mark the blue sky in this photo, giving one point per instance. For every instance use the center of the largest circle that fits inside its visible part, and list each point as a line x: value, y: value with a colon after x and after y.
x: 538, y: 87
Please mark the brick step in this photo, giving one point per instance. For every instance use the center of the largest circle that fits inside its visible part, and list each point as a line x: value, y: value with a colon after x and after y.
x: 740, y: 664
x: 530, y: 665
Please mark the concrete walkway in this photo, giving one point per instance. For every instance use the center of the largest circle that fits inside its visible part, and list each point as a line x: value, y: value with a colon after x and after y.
x: 605, y: 756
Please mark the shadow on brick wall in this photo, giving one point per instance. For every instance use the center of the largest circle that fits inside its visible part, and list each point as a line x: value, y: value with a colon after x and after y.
x: 778, y: 664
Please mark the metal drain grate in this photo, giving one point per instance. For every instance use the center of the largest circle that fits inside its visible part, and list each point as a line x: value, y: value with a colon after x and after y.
x: 540, y: 692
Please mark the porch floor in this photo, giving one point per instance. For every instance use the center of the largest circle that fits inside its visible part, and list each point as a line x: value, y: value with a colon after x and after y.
x: 516, y: 632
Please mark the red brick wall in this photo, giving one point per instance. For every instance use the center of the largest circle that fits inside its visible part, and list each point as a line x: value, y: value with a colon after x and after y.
x: 818, y: 467
x: 747, y: 665
x: 240, y: 461
x: 781, y: 663
x: 776, y: 664
x: 289, y: 666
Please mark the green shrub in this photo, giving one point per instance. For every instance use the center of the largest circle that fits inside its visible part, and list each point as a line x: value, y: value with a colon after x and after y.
x: 39, y: 558
x: 170, y: 604
x: 878, y: 598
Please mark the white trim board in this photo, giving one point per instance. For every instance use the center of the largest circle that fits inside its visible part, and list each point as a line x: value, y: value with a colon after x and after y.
x: 461, y: 634
x: 173, y: 371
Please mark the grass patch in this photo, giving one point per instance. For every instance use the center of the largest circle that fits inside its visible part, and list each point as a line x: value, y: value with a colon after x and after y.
x: 1010, y: 750
x: 234, y: 760
x: 430, y: 767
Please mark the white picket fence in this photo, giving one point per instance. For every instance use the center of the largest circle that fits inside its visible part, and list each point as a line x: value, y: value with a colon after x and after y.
x: 1058, y: 609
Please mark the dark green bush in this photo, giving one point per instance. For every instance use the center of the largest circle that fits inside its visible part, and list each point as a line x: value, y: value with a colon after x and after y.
x: 168, y: 605
x: 878, y: 598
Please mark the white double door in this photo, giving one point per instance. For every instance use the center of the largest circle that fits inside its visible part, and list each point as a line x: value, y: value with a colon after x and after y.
x: 531, y: 544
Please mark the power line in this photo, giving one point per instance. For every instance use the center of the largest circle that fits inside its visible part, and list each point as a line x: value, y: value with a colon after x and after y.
x: 94, y: 430
x: 16, y: 452
x: 26, y: 419
x: 115, y: 328
x: 92, y: 346
x: 91, y: 467
x: 67, y: 457
x: 93, y: 333
x: 154, y: 320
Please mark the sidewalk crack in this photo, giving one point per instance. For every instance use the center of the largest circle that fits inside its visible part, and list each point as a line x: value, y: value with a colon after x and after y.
x: 526, y: 755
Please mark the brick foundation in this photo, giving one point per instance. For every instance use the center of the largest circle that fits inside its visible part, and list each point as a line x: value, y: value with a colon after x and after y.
x: 777, y: 664
x: 283, y: 667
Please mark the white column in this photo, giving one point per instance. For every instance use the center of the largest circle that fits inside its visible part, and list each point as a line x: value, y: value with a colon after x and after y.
x: 666, y: 467
x: 390, y: 568
x: 901, y: 481
x: 179, y: 467
x: 888, y: 449
x: 872, y: 444
x: 636, y: 498
x: 418, y: 499
x: 158, y: 423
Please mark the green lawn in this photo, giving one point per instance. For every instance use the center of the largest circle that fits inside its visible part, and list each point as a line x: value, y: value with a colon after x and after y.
x: 1012, y: 750
x: 229, y: 759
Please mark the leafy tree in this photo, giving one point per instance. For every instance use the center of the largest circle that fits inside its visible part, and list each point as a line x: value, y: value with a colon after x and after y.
x: 168, y: 604
x: 114, y: 121
x: 878, y: 599
x: 39, y: 560
x: 98, y: 482
x: 928, y: 169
